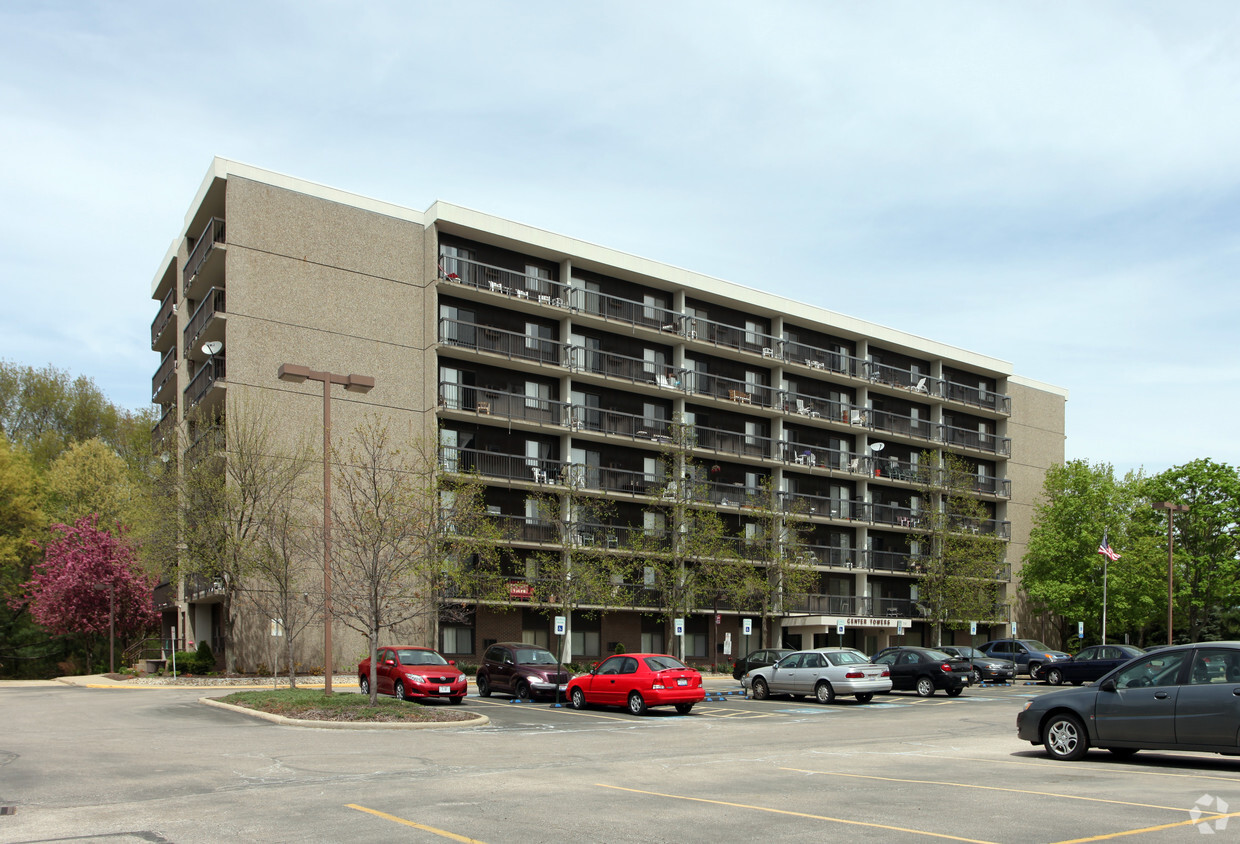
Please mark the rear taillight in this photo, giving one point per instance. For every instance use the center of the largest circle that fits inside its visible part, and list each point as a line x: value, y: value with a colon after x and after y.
x: 946, y: 668
x: 886, y: 672
x: 854, y: 675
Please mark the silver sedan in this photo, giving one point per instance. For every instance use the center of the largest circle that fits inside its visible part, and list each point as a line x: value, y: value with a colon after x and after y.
x: 823, y: 673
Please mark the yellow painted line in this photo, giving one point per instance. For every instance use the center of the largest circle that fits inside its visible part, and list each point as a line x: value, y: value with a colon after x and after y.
x: 423, y: 827
x: 1047, y: 763
x: 988, y: 788
x: 1143, y: 830
x: 795, y: 814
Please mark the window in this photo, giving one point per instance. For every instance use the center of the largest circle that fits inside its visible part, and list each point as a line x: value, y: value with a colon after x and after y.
x: 695, y: 645
x: 540, y: 637
x: 277, y: 627
x: 457, y: 260
x: 587, y: 643
x: 1157, y: 670
x: 652, y: 642
x: 537, y: 279
x: 457, y: 640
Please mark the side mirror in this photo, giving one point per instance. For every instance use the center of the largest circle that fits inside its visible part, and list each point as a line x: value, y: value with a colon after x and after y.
x: 594, y: 668
x: 1107, y: 685
x: 389, y: 662
x: 452, y: 662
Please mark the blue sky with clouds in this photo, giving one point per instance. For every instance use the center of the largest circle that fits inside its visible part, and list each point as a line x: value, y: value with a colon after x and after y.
x: 1054, y: 184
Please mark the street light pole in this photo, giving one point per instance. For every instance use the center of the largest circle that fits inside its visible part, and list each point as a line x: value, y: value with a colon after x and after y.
x: 356, y: 384
x: 1172, y: 508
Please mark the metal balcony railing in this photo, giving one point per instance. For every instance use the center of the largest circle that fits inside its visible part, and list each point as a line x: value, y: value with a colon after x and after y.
x: 211, y: 304
x: 508, y: 344
x: 211, y: 235
x: 821, y: 506
x: 978, y: 397
x: 913, y: 380
x: 505, y: 282
x: 725, y: 335
x: 163, y: 430
x: 628, y: 311
x: 895, y: 423
x: 512, y: 467
x: 980, y: 440
x: 814, y: 407
x: 896, y: 562
x: 731, y: 442
x: 167, y: 310
x: 167, y: 368
x: 730, y: 389
x: 823, y: 360
x: 213, y: 370
x: 612, y: 365
x: 834, y: 556
x: 518, y: 406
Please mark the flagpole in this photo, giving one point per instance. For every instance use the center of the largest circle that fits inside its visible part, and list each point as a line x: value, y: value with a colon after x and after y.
x: 1105, y: 560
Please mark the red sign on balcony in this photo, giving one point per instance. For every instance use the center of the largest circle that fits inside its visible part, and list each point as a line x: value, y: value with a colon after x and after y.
x: 519, y: 589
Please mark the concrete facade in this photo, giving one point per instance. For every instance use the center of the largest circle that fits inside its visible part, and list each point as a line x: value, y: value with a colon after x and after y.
x: 518, y: 349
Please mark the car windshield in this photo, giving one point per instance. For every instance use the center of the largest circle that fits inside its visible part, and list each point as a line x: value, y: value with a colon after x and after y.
x: 969, y: 653
x: 933, y: 654
x: 412, y: 657
x: 662, y: 663
x: 534, y: 656
x: 1037, y: 646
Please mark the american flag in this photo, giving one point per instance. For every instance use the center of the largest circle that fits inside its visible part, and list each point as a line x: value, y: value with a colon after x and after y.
x: 1105, y: 549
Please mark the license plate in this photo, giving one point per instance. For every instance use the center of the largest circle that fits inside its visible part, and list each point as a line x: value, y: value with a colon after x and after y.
x: 443, y: 690
x: 682, y: 682
x: 564, y: 687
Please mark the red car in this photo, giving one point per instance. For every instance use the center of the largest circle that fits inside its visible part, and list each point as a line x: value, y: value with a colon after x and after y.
x: 410, y: 672
x: 638, y: 681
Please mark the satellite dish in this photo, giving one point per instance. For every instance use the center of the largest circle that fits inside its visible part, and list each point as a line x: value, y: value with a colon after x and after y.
x: 213, y: 348
x: 877, y: 447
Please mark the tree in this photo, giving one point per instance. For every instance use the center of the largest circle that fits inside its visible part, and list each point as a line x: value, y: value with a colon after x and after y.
x: 22, y: 524
x: 404, y: 541
x: 43, y: 411
x: 66, y: 591
x: 230, y: 496
x: 684, y: 547
x: 90, y: 477
x: 959, y: 566
x: 1062, y: 570
x: 1206, y: 566
x: 775, y: 556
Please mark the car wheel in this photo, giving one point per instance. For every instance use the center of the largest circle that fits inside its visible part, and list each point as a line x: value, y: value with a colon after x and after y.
x: 955, y: 692
x: 684, y: 708
x: 1034, y: 668
x: 400, y: 691
x: 1065, y: 738
x: 1124, y: 752
x: 484, y: 686
x: 925, y: 687
x: 636, y: 704
x: 760, y: 690
x: 1054, y: 676
x: 865, y: 697
x: 455, y: 701
x: 977, y: 677
x: 365, y: 684
x: 523, y: 691
x: 824, y: 693
x: 579, y: 698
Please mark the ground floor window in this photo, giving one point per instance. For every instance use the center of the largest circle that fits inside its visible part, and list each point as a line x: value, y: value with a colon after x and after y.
x: 586, y: 643
x: 652, y: 643
x: 457, y: 640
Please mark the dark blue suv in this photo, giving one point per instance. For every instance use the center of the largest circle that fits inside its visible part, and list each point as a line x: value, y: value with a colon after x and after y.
x: 1027, y: 654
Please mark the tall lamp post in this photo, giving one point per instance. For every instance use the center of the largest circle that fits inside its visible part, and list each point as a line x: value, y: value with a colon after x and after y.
x: 355, y: 384
x: 1172, y: 508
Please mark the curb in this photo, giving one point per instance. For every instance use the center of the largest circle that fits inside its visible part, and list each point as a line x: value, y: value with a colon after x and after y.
x: 474, y: 721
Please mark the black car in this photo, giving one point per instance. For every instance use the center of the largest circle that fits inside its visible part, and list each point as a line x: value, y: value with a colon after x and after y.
x: 1028, y: 654
x: 1088, y: 665
x: 986, y: 669
x: 759, y: 659
x: 924, y: 670
x: 1185, y: 697
x: 524, y: 671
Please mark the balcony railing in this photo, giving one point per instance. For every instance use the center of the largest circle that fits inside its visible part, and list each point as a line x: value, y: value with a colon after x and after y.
x: 213, y: 370
x: 831, y: 555
x: 729, y: 336
x: 896, y: 562
x: 518, y: 406
x: 211, y: 235
x: 913, y: 380
x: 167, y: 310
x: 814, y: 407
x: 211, y: 304
x: 512, y: 467
x: 617, y: 309
x: 611, y: 365
x: 856, y: 606
x: 509, y: 344
x: 731, y: 442
x: 167, y: 368
x: 978, y: 397
x: 512, y: 283
x: 165, y: 428
x: 730, y: 389
x: 821, y: 506
x: 980, y: 440
x: 211, y: 440
x: 895, y: 423
x: 823, y: 360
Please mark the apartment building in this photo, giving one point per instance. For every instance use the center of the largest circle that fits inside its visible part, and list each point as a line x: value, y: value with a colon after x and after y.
x: 529, y: 355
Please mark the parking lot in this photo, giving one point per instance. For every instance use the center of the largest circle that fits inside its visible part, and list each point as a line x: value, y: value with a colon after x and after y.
x: 156, y: 765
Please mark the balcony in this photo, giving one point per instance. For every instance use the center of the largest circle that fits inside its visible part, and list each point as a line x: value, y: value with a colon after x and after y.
x: 204, y: 590
x: 897, y: 423
x: 814, y: 407
x: 722, y: 441
x: 167, y: 310
x: 200, y: 387
x: 895, y: 562
x: 834, y: 556
x: 163, y: 433
x: 163, y: 383
x: 978, y: 397
x: 203, y: 264
x: 813, y: 456
x: 854, y: 606
x: 211, y: 440
x: 730, y: 389
x: 517, y: 406
x: 913, y: 380
x: 623, y: 367
x: 203, y: 325
x: 822, y: 360
x: 507, y: 344
x: 165, y: 596
x: 980, y: 440
x: 986, y: 485
x: 728, y: 336
x: 821, y: 506
x: 504, y: 282
x: 491, y: 464
x: 627, y: 311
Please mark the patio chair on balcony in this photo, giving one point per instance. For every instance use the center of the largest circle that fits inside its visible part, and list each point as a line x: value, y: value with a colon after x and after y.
x: 920, y: 386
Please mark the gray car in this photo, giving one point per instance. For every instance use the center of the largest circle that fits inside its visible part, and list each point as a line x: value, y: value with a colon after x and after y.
x: 823, y: 673
x: 1185, y: 697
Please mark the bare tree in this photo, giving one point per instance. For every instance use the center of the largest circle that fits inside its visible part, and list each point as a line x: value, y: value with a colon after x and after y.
x: 231, y: 488
x: 775, y: 549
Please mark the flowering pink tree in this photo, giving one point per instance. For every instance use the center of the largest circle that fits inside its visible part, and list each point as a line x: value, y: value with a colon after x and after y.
x: 84, y: 569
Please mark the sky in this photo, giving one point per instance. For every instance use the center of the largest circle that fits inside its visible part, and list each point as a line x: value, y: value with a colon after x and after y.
x: 1054, y: 184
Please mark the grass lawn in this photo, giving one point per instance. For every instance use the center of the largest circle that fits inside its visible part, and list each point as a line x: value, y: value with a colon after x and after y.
x: 313, y: 705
